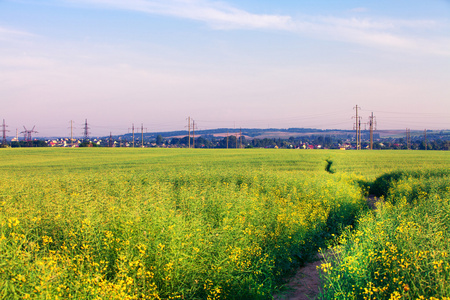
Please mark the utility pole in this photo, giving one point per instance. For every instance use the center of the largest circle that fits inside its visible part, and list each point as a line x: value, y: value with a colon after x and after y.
x: 4, y: 142
x: 235, y: 134
x: 142, y: 135
x: 71, y: 133
x: 240, y: 137
x: 227, y: 138
x: 189, y: 132
x: 408, y: 138
x: 133, y: 133
x: 359, y: 133
x: 193, y: 134
x: 426, y: 143
x: 132, y: 130
x: 371, y: 125
x: 358, y: 129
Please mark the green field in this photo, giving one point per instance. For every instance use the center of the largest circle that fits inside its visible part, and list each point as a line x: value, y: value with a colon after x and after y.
x: 188, y: 223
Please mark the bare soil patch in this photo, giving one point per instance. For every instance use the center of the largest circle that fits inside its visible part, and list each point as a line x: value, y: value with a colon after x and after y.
x: 305, y: 284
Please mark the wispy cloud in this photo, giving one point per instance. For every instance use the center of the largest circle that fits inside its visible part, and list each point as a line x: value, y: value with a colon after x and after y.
x: 7, y: 33
x: 218, y: 15
x: 359, y: 10
x: 393, y: 33
x: 387, y: 33
x: 401, y: 34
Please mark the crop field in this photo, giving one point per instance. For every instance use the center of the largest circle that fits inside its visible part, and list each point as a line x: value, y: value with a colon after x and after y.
x: 221, y: 224
x: 400, y: 251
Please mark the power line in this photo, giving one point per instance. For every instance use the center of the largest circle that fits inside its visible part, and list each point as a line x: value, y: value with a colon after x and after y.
x: 443, y: 115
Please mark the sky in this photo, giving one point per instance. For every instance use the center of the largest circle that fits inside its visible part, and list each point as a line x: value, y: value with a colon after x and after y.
x: 224, y: 64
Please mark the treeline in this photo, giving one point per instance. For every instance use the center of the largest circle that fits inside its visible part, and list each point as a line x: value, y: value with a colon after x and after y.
x: 434, y: 142
x: 324, y: 142
x: 313, y: 141
x: 233, y: 141
x: 34, y: 143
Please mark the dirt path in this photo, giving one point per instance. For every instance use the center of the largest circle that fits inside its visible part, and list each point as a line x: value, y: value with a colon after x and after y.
x: 304, y: 285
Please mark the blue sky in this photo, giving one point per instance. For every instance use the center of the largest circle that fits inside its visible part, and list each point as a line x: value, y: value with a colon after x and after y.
x: 227, y: 63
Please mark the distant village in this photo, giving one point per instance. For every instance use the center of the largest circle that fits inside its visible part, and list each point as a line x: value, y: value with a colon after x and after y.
x: 315, y: 140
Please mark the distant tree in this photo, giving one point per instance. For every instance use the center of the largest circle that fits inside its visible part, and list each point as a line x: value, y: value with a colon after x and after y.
x: 185, y: 141
x: 201, y: 142
x: 376, y: 145
x: 232, y: 141
x: 328, y: 141
x: 87, y: 144
x: 39, y: 143
x: 35, y: 143
x: 175, y: 141
x: 159, y: 140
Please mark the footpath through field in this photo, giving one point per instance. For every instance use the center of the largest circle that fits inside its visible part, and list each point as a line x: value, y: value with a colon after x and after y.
x: 305, y: 284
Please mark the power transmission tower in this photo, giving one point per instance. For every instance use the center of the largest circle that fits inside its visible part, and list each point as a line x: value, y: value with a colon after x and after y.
x: 86, y: 131
x: 4, y: 142
x: 408, y: 138
x: 358, y: 128
x: 372, y: 124
x: 71, y: 133
x: 132, y: 129
x: 27, y: 135
x: 110, y: 140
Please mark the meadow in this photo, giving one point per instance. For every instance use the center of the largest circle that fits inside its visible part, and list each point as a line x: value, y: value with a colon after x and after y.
x: 187, y: 223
